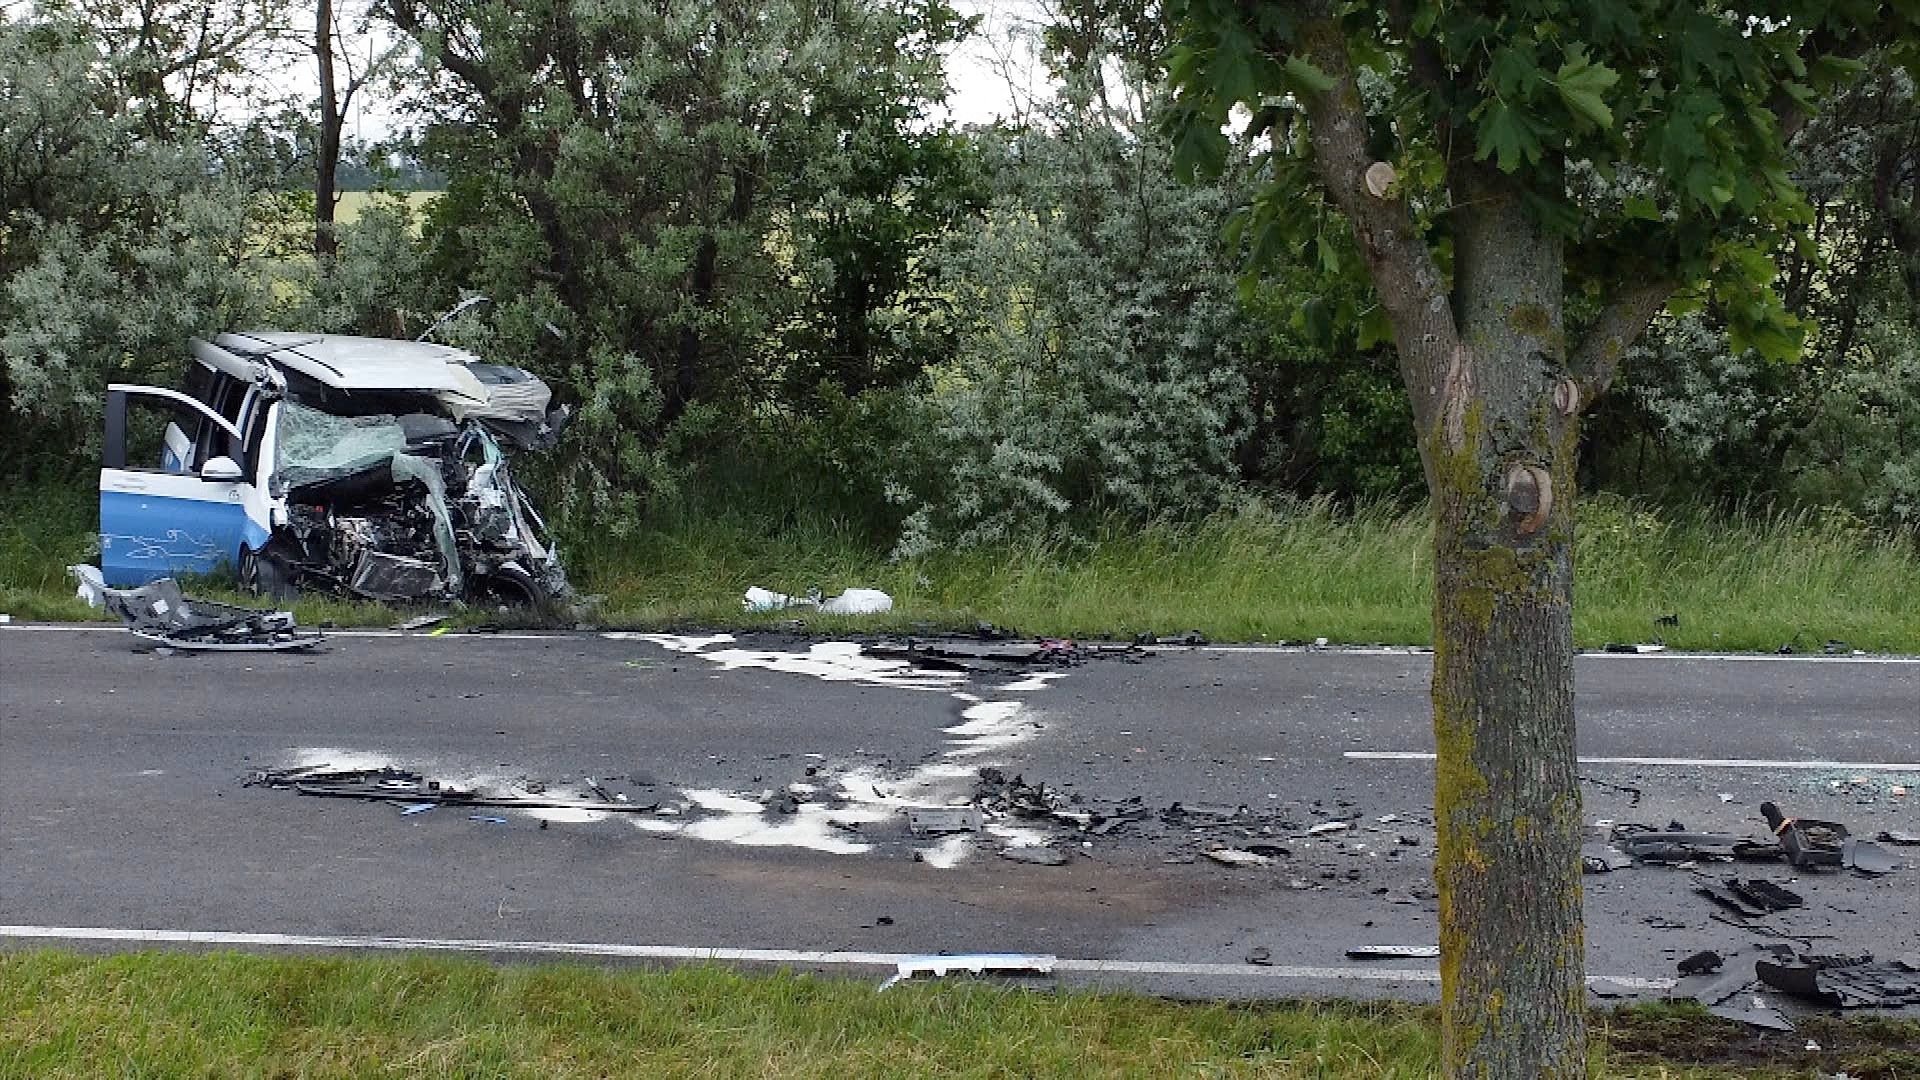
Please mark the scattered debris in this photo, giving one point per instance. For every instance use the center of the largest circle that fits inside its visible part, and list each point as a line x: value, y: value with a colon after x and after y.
x: 1904, y: 839
x: 1849, y: 982
x: 941, y: 820
x: 1867, y: 857
x: 1704, y: 962
x: 487, y: 819
x: 1765, y: 894
x: 412, y: 789
x: 1038, y: 856
x: 1326, y: 827
x: 1633, y: 793
x: 1754, y: 1012
x: 1639, y: 649
x: 161, y: 614
x: 1807, y: 842
x: 421, y: 622
x: 1603, y: 859
x: 1393, y: 952
x: 1236, y: 857
x: 1260, y: 955
x: 973, y: 964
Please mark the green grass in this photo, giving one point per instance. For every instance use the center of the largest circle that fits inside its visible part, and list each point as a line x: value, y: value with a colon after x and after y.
x: 1746, y: 583
x: 224, y: 1014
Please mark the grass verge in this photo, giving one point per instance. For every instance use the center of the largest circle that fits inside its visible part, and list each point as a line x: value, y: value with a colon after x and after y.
x: 225, y: 1014
x: 1749, y: 583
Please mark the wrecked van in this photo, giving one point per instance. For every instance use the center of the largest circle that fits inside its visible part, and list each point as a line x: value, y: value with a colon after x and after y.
x: 363, y: 467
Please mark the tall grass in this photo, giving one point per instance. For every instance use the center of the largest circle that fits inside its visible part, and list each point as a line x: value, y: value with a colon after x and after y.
x: 159, y: 1014
x: 1755, y: 580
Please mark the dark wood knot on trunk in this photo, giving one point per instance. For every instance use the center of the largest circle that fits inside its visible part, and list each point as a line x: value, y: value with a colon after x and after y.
x: 1529, y: 497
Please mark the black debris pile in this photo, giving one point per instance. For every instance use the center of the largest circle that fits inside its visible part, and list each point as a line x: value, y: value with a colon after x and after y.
x: 1849, y: 982
x: 1811, y: 844
x: 983, y: 658
x: 162, y: 615
x: 1804, y: 843
x: 1750, y: 898
x: 999, y: 795
x: 412, y: 789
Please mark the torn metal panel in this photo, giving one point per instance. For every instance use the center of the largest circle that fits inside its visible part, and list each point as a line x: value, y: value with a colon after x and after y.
x: 160, y: 613
x: 940, y: 820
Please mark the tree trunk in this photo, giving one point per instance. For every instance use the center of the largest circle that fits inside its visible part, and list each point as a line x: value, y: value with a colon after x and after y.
x: 327, y: 159
x: 1500, y: 460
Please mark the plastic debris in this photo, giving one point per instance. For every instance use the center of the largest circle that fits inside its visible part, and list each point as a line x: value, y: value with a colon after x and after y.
x: 1393, y: 952
x: 851, y: 602
x: 1236, y: 857
x: 161, y: 614
x: 972, y: 964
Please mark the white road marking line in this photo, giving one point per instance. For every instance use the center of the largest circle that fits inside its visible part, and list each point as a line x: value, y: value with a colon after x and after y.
x: 1422, y: 652
x: 1277, y: 650
x: 1706, y: 763
x: 806, y: 957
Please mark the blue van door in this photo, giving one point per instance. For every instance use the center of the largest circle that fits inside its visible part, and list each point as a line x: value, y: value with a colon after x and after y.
x: 157, y: 517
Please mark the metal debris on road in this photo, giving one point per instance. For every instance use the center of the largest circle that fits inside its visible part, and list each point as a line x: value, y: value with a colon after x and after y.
x: 941, y: 820
x: 1260, y: 956
x: 1849, y: 982
x: 160, y: 614
x: 413, y: 789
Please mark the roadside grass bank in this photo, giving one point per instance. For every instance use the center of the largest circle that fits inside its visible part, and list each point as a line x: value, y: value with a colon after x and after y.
x: 1747, y: 582
x: 64, y: 1014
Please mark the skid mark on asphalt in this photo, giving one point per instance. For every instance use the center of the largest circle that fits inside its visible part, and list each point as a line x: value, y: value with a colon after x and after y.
x: 698, y: 954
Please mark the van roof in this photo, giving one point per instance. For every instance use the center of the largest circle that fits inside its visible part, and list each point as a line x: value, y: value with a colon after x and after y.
x: 346, y: 362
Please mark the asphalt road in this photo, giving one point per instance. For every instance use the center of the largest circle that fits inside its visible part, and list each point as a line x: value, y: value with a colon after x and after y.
x: 125, y: 817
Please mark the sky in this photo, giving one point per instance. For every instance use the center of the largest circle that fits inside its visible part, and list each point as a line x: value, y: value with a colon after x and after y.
x: 993, y: 74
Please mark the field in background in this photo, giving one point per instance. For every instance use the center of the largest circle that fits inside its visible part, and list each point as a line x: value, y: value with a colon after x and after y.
x: 160, y: 1014
x: 352, y: 203
x: 1752, y: 583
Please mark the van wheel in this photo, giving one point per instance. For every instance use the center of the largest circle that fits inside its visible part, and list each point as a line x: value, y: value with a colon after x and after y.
x: 514, y: 588
x: 264, y: 574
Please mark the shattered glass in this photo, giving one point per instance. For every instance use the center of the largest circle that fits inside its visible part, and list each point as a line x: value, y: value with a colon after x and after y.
x: 314, y: 445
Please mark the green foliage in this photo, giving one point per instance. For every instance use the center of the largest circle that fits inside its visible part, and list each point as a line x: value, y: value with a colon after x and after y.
x: 115, y: 246
x: 1646, y: 133
x: 1100, y: 352
x: 677, y: 191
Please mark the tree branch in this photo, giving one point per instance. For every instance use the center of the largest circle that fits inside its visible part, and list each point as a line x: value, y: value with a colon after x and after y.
x: 1626, y: 316
x: 1403, y: 270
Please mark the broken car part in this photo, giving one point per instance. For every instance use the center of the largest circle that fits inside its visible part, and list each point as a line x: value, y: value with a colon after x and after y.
x: 161, y: 614
x: 1807, y: 842
x: 1393, y: 952
x: 400, y: 785
x: 941, y: 820
x: 1861, y: 983
x: 973, y: 964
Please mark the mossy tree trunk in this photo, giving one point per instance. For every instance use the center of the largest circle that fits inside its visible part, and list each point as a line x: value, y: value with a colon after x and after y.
x: 1500, y: 455
x: 1496, y: 397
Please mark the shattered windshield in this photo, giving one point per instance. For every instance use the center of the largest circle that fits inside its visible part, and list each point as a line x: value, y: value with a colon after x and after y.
x: 315, y: 445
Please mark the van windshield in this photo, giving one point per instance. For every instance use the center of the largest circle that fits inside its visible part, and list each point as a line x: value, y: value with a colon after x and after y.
x: 314, y: 445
